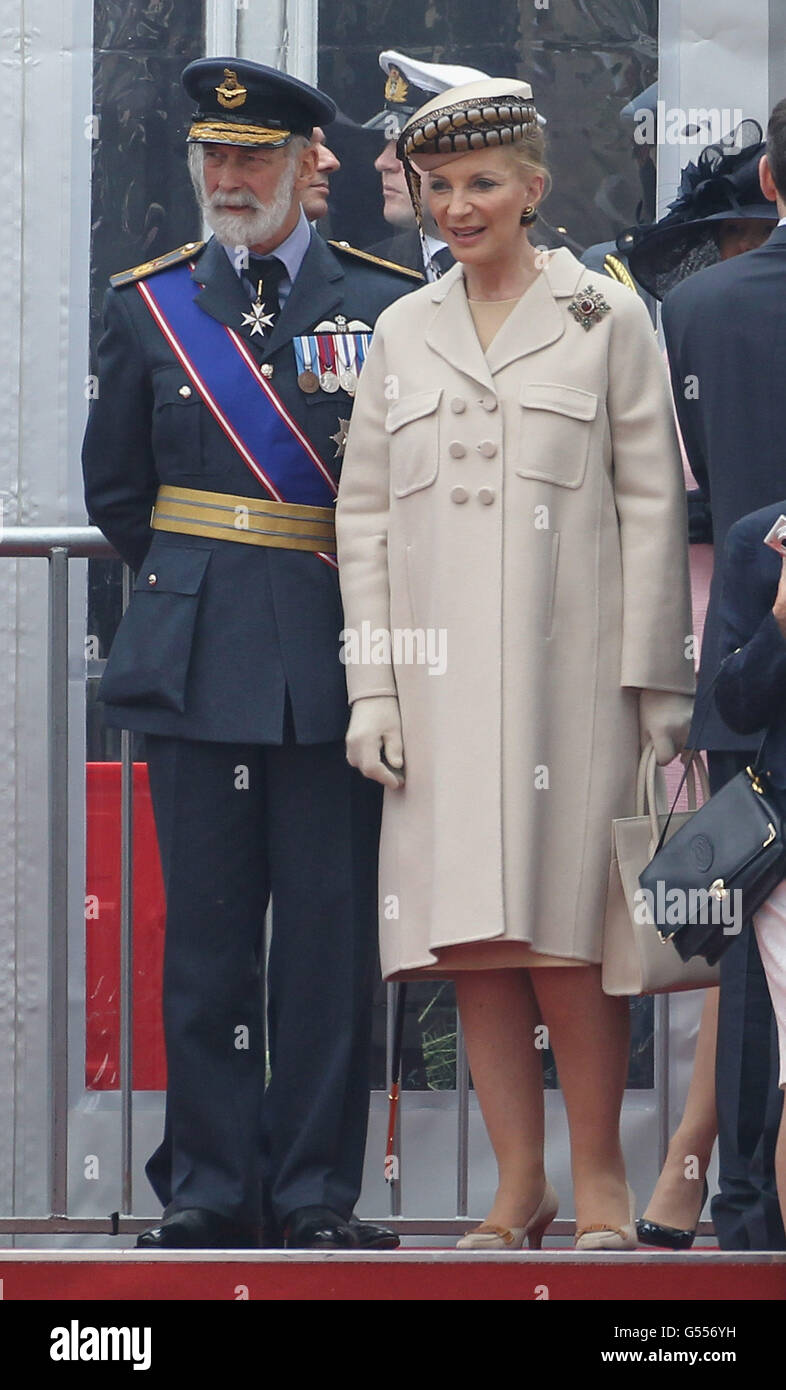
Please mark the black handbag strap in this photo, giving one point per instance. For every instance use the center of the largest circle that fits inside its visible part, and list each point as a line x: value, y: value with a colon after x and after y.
x: 693, y: 753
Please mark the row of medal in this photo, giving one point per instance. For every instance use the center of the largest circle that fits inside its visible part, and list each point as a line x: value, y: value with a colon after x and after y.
x: 330, y: 361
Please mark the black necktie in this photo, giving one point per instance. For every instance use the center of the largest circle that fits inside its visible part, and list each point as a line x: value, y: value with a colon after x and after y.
x: 269, y: 271
x: 443, y: 260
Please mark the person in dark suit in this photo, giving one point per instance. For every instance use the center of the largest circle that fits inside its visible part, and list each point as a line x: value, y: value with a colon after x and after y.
x: 727, y: 355
x: 750, y: 697
x: 226, y: 379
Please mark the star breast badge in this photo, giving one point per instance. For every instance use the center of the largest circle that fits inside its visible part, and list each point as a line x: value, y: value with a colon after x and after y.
x: 588, y: 307
x: 258, y: 320
x: 340, y: 438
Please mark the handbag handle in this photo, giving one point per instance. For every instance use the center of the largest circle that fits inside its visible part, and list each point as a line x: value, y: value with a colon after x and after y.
x: 650, y: 787
x: 694, y: 755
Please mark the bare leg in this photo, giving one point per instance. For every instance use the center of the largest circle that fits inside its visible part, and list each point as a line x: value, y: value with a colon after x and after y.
x: 589, y: 1033
x: 499, y: 1016
x: 677, y: 1196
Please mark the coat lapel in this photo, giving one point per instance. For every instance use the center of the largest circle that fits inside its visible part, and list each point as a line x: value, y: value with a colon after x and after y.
x: 538, y: 320
x: 451, y: 332
x: 318, y: 289
x: 220, y: 292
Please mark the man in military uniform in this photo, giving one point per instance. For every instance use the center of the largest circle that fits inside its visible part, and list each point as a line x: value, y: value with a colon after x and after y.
x: 226, y: 377
x: 409, y: 84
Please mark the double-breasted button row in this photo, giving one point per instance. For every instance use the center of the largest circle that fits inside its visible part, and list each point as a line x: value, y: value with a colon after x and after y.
x: 458, y: 405
x: 485, y: 495
x: 486, y: 448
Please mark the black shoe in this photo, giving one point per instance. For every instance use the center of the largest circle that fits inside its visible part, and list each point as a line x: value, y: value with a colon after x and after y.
x: 669, y: 1237
x: 195, y: 1228
x: 369, y: 1236
x: 317, y: 1228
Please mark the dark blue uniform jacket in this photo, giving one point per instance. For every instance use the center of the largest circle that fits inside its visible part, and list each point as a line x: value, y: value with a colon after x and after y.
x: 210, y: 649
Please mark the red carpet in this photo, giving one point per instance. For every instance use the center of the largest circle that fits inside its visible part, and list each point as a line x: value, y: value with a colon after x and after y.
x: 410, y: 1274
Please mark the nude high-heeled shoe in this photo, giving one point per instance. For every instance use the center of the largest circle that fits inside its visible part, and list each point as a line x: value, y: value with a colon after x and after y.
x: 488, y: 1237
x: 610, y: 1237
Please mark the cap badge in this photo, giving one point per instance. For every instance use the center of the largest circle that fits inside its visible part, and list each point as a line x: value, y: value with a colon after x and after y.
x: 231, y: 93
x: 396, y: 87
x: 588, y: 307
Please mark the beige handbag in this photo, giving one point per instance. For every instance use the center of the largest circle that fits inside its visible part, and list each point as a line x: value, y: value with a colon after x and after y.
x: 635, y: 961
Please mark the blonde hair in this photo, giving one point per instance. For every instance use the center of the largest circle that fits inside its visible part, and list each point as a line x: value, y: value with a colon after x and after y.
x: 529, y: 154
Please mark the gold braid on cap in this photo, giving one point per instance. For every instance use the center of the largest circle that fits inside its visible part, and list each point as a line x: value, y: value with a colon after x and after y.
x: 460, y: 128
x: 220, y: 132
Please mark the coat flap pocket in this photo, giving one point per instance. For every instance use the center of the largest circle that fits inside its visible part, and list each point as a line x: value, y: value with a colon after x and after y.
x: 412, y: 408
x: 173, y: 570
x: 566, y: 400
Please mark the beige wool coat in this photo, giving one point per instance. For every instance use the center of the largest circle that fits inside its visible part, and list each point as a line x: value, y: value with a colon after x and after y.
x: 524, y: 508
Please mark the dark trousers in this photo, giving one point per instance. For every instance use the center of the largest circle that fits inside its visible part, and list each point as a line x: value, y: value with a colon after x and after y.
x: 238, y: 824
x: 745, y: 1212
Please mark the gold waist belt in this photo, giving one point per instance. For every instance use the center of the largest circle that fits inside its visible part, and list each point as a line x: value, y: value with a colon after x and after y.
x: 223, y: 516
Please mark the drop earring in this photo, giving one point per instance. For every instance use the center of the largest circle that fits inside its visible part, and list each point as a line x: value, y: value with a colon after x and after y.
x: 529, y: 215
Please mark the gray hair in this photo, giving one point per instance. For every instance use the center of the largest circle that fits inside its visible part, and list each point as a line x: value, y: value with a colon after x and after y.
x: 196, y: 160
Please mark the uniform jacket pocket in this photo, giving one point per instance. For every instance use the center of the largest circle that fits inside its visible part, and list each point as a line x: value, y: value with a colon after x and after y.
x: 556, y: 426
x: 413, y: 426
x: 179, y: 442
x: 150, y: 656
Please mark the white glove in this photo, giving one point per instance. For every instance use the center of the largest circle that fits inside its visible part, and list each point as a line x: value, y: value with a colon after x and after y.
x: 375, y: 732
x: 664, y: 720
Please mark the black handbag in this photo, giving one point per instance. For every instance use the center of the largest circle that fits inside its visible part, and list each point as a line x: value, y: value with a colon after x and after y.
x: 716, y: 871
x: 706, y: 881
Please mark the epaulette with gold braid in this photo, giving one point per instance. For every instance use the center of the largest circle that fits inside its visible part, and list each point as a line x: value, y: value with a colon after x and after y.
x: 376, y: 260
x: 617, y: 269
x: 138, y: 272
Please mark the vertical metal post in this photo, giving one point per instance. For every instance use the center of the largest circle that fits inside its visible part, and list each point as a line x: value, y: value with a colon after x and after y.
x: 462, y: 1146
x: 126, y: 950
x: 661, y: 1024
x: 58, y: 877
x: 390, y: 1018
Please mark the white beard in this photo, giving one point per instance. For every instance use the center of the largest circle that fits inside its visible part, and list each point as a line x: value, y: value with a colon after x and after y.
x: 252, y: 222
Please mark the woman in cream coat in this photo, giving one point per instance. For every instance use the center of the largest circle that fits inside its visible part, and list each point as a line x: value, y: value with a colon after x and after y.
x: 513, y: 564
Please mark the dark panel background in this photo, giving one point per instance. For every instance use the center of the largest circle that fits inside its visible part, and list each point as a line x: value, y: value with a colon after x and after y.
x: 585, y: 59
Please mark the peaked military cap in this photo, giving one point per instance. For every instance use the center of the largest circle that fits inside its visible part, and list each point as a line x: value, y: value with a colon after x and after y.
x: 244, y: 103
x: 409, y: 83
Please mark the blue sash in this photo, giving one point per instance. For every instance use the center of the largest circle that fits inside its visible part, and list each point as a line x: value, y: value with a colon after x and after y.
x: 229, y: 381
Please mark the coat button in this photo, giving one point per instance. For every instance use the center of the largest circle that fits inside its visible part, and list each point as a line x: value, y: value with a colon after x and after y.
x: 458, y: 494
x: 185, y: 392
x: 152, y: 579
x: 267, y: 369
x: 486, y: 495
x: 458, y: 405
x: 489, y: 403
x: 456, y: 449
x: 487, y: 448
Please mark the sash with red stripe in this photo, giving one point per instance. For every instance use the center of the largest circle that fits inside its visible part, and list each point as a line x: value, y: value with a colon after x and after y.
x: 252, y: 415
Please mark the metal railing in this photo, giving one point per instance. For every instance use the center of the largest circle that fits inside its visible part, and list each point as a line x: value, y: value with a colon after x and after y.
x: 59, y: 545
